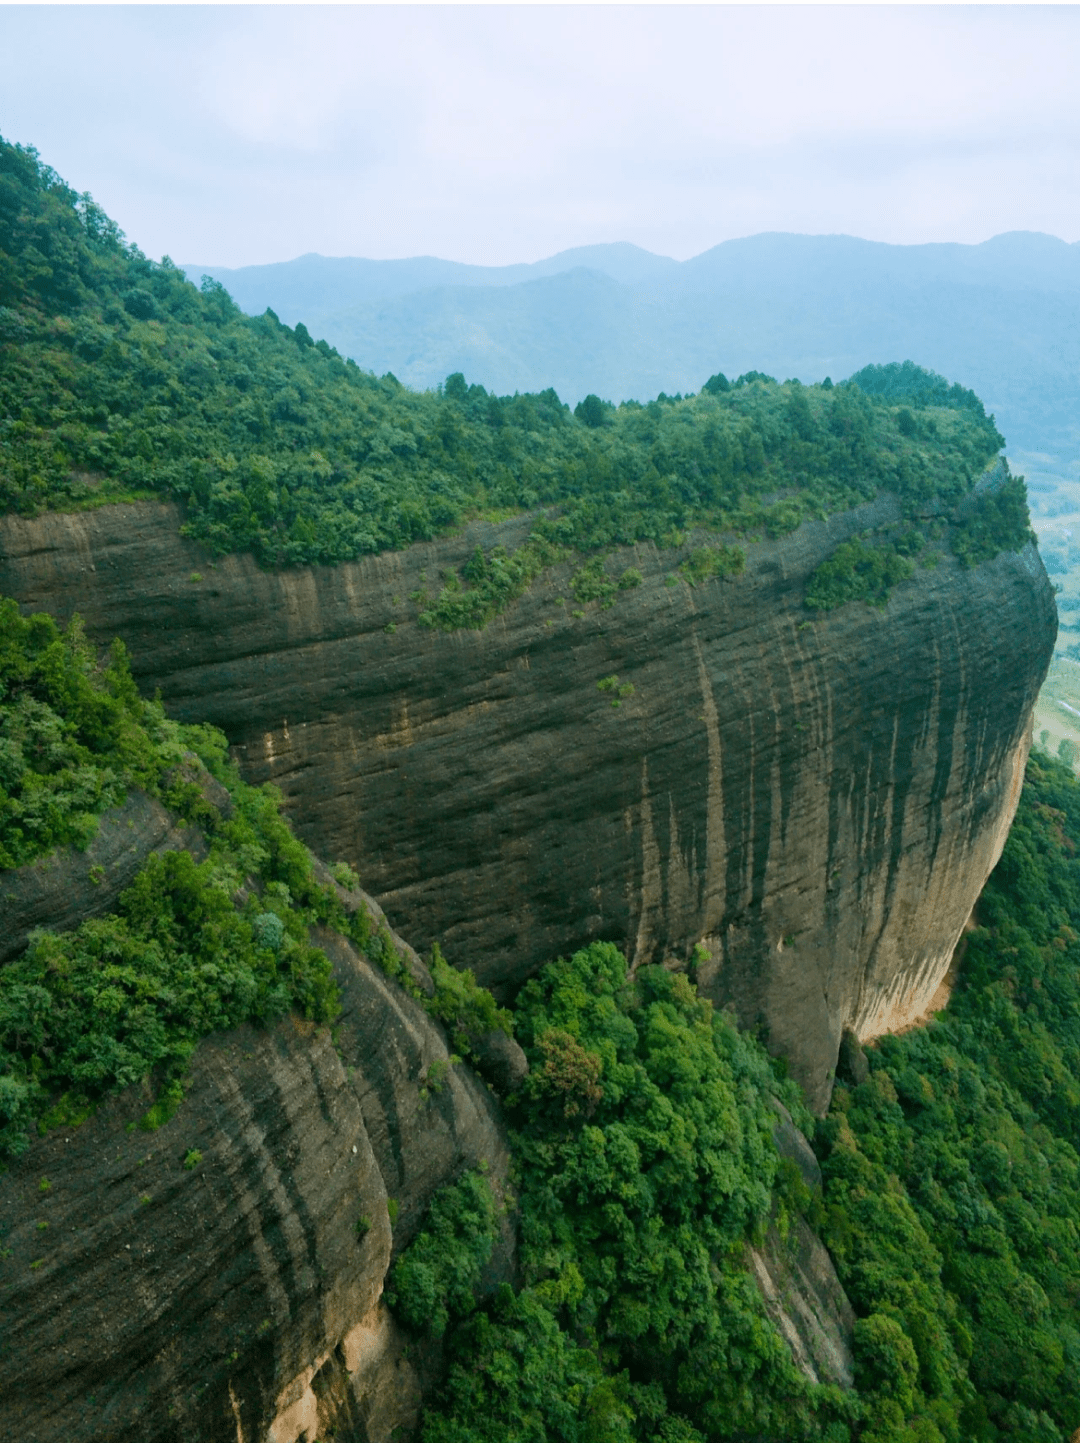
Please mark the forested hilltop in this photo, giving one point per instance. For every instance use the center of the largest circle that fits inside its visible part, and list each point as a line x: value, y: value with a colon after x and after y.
x: 118, y: 379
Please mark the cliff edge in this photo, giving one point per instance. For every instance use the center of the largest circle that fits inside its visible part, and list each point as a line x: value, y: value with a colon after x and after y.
x: 803, y: 806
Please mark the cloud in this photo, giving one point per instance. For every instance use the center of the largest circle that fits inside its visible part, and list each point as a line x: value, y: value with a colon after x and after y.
x: 240, y: 134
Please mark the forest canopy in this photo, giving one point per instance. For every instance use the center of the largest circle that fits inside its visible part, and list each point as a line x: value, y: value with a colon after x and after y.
x: 119, y: 379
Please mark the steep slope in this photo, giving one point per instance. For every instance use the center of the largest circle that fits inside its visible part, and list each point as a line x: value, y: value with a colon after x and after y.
x: 815, y: 798
x: 719, y: 754
x: 221, y: 1276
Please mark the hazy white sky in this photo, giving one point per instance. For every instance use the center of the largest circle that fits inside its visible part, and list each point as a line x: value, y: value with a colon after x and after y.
x: 232, y: 135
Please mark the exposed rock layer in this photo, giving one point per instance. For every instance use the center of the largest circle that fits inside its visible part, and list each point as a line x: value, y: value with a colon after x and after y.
x: 68, y: 886
x: 234, y: 1298
x: 819, y: 800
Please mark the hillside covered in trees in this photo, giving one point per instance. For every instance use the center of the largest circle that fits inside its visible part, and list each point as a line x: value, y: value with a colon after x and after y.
x: 642, y: 1136
x: 119, y: 378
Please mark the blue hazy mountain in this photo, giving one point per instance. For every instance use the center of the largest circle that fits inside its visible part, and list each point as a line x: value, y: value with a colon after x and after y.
x: 1002, y: 317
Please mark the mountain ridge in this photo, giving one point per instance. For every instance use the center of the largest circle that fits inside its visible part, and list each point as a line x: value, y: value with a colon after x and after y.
x: 1002, y: 317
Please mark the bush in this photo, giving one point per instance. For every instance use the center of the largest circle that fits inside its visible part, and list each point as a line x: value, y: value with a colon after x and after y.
x: 467, y: 1010
x: 857, y: 572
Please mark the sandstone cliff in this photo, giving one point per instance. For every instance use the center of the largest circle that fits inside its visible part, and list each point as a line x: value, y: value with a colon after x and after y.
x: 816, y: 799
x: 220, y: 1278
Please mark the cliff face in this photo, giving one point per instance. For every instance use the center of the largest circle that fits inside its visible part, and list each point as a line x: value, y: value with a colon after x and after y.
x: 209, y: 1281
x: 816, y: 800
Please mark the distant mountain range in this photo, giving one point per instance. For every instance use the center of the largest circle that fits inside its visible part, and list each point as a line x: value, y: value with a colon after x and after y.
x: 1002, y: 317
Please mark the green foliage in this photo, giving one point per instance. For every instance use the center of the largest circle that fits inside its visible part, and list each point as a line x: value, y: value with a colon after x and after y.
x: 592, y: 583
x: 119, y: 378
x: 644, y: 1163
x: 709, y: 561
x: 73, y: 736
x: 860, y: 572
x: 131, y: 994
x: 378, y: 946
x: 344, y: 876
x: 467, y: 1010
x: 997, y: 521
x: 438, y: 1274
x: 491, y: 582
x: 101, y: 1007
x: 952, y: 1176
x: 593, y: 411
x: 903, y: 382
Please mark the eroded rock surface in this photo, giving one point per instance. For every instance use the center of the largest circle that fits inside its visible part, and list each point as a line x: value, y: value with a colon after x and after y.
x: 220, y: 1279
x: 816, y: 799
x: 806, y: 1302
x: 66, y: 887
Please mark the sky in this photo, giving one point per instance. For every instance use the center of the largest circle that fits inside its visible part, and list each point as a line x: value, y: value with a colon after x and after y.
x: 229, y: 136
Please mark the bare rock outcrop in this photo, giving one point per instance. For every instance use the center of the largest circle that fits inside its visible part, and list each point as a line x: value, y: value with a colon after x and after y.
x: 814, y: 800
x: 220, y: 1279
x: 806, y: 1302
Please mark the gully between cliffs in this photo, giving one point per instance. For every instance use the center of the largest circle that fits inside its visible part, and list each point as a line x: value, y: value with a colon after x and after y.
x: 802, y: 807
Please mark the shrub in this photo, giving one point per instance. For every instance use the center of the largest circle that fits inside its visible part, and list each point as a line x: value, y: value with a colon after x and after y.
x: 467, y: 1010
x: 709, y: 561
x: 857, y: 572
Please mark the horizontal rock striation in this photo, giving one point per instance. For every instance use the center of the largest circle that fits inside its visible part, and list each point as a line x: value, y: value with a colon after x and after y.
x: 220, y: 1279
x: 63, y: 889
x: 814, y: 799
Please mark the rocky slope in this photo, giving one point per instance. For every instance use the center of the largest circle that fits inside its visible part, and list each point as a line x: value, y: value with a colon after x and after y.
x: 815, y: 799
x: 221, y: 1277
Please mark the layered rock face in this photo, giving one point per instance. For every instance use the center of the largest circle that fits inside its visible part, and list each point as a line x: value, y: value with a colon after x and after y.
x: 815, y: 800
x: 221, y: 1278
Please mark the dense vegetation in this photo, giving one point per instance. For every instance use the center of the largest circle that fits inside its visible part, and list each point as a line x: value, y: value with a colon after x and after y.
x: 131, y: 994
x: 120, y: 378
x: 951, y: 1204
x: 952, y: 1198
x: 71, y: 739
x: 644, y: 1163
